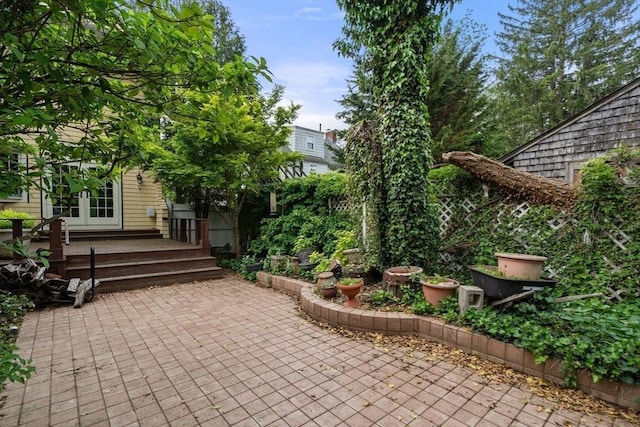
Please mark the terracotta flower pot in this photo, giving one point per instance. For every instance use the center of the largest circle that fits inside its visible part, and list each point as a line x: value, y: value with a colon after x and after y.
x: 520, y: 266
x: 435, y: 291
x: 394, y: 277
x: 350, y: 291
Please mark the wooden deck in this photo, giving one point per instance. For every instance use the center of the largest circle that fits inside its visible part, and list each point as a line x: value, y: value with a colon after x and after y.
x: 83, y: 247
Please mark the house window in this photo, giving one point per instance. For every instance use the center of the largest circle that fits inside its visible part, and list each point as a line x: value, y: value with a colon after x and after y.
x: 313, y: 167
x: 310, y: 145
x: 12, y: 164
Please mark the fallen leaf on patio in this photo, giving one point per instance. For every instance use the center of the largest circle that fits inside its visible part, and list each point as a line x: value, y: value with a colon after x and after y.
x: 539, y: 408
x: 390, y: 385
x: 365, y: 404
x: 414, y: 415
x: 216, y: 407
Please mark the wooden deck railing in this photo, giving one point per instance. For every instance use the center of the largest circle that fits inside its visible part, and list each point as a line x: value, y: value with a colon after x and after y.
x: 190, y: 230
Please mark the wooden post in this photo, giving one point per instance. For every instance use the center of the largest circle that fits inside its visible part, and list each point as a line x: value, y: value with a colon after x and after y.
x: 16, y: 224
x: 56, y: 258
x: 204, y: 234
x: 182, y: 234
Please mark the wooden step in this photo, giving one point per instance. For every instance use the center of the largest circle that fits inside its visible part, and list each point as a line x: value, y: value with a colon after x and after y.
x: 91, y: 235
x: 112, y: 269
x: 136, y: 281
x: 83, y: 235
x: 137, y: 256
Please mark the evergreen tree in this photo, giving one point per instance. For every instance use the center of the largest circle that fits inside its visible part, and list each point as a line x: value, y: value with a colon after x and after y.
x: 460, y: 117
x: 459, y: 113
x: 560, y: 56
x: 228, y: 41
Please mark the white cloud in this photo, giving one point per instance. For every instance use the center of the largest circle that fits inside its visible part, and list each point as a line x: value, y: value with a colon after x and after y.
x: 311, y: 75
x: 310, y: 10
x: 316, y: 86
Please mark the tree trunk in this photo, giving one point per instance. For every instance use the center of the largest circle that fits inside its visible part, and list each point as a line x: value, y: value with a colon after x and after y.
x: 236, y: 235
x: 533, y: 188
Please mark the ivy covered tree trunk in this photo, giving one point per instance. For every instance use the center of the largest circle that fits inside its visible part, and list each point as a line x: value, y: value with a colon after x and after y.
x: 396, y: 37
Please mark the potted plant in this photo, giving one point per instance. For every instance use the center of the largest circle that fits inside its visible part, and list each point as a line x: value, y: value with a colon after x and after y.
x: 319, y: 262
x: 350, y: 287
x: 251, y: 264
x: 520, y: 266
x: 329, y: 290
x: 436, y: 288
x: 393, y: 278
x: 277, y: 261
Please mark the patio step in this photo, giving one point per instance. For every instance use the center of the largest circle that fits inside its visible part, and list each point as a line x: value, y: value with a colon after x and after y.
x: 83, y: 235
x: 148, y: 266
x: 119, y: 271
x: 136, y: 281
x: 133, y: 256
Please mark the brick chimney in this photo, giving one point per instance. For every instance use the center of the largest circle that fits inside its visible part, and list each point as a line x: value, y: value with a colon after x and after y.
x: 331, y: 135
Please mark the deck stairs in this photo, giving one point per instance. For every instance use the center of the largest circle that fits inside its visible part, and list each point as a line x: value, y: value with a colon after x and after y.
x: 127, y: 266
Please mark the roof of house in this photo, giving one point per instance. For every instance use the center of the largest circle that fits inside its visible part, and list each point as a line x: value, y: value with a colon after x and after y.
x: 507, y: 158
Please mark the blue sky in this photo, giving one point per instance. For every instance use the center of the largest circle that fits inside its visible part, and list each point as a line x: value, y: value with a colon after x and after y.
x: 296, y: 36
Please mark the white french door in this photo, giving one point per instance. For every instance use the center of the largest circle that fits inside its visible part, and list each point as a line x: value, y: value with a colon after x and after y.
x: 86, y: 211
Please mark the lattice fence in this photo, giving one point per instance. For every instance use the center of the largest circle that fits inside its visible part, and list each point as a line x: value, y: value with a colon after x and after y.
x: 508, y: 216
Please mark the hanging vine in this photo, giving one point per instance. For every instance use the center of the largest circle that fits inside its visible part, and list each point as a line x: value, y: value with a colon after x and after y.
x: 393, y: 39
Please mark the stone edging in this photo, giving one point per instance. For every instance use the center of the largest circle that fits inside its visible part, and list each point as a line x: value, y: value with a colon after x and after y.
x: 433, y: 329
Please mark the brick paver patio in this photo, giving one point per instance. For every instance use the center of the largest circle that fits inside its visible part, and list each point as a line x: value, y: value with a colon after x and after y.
x: 226, y: 352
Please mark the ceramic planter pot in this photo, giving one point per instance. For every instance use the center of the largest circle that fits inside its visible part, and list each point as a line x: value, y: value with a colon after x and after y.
x: 277, y: 261
x: 252, y: 268
x: 394, y: 277
x: 329, y: 291
x: 351, y: 291
x: 435, y: 290
x: 520, y: 266
x: 324, y: 279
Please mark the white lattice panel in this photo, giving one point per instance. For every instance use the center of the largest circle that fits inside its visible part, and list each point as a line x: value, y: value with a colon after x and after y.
x: 619, y: 238
x: 445, y: 212
x: 556, y: 223
x: 339, y: 205
x: 468, y: 205
x: 520, y: 210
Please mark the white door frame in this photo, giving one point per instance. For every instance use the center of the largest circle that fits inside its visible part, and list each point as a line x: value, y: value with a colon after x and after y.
x: 92, y: 213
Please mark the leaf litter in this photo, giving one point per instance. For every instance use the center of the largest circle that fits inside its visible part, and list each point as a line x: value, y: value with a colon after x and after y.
x: 403, y: 348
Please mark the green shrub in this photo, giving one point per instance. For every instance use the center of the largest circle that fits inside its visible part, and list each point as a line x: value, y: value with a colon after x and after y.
x: 307, y: 219
x: 382, y: 297
x: 12, y: 366
x: 7, y: 215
